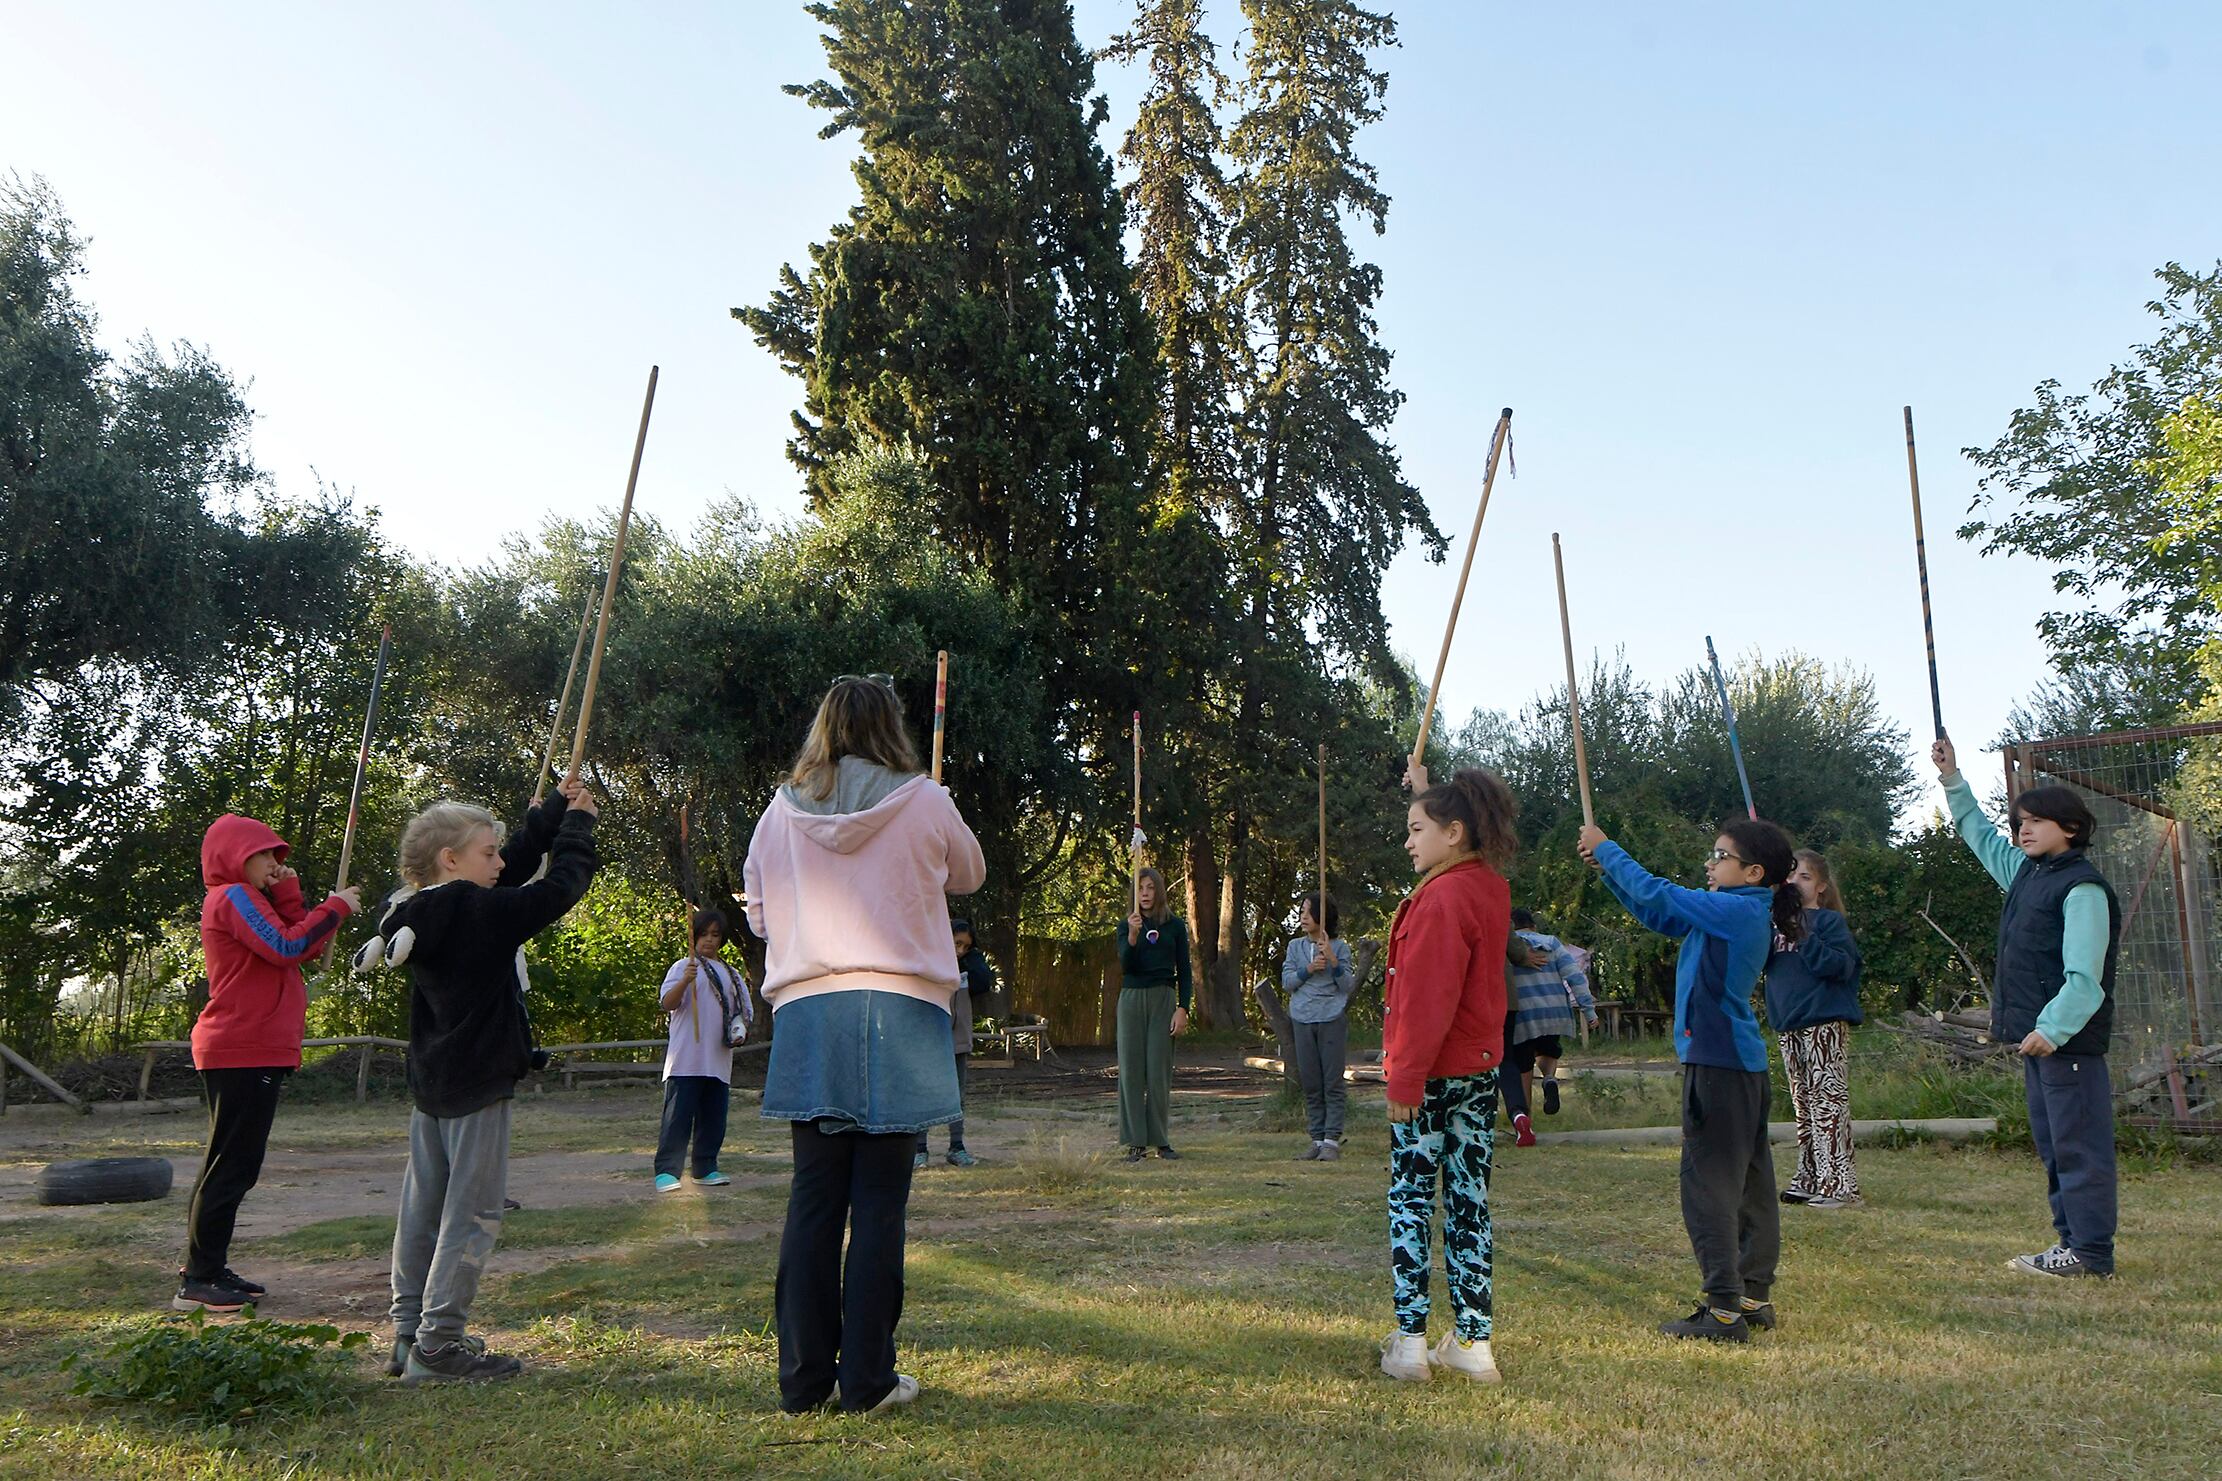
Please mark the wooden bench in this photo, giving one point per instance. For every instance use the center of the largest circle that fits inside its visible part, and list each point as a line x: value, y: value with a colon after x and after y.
x: 623, y: 1069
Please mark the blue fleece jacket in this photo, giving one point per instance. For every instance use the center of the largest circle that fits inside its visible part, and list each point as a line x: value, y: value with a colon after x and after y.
x: 1814, y: 979
x: 1726, y: 936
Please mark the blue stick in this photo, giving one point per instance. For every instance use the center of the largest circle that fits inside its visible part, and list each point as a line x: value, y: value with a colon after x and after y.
x: 1728, y: 713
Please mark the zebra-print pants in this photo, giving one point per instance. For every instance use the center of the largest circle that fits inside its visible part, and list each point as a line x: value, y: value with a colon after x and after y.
x: 1815, y: 1061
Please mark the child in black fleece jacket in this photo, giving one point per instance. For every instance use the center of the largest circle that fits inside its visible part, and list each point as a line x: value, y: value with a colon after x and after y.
x: 459, y: 925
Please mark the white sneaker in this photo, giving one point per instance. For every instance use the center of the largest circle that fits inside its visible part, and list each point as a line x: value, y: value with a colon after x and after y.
x: 1471, y: 1360
x: 1404, y: 1356
x: 904, y: 1391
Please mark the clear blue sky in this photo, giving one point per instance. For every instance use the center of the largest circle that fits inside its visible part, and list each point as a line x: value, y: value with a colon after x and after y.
x: 1706, y: 257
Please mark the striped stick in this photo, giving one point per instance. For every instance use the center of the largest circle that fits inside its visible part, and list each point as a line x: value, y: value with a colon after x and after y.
x: 1728, y: 713
x: 1921, y: 561
x: 941, y: 707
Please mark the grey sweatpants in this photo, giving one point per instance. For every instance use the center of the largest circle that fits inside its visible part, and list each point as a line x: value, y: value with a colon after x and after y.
x: 451, y: 1213
x: 1319, y: 1065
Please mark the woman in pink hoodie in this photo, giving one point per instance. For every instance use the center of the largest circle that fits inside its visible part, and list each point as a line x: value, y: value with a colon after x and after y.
x: 848, y: 879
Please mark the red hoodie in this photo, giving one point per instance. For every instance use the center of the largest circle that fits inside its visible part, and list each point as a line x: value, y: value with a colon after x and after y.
x: 255, y: 944
x: 1446, y: 995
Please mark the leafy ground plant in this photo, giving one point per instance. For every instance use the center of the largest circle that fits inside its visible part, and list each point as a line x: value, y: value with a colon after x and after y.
x: 219, y: 1372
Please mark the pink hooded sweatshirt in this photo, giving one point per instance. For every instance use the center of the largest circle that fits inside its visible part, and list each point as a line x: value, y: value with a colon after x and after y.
x: 847, y: 901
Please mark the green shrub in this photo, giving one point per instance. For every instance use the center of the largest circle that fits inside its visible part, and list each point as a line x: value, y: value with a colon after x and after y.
x: 213, y: 1374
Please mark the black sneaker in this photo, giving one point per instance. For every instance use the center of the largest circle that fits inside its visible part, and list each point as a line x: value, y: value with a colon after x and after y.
x: 398, y: 1364
x: 461, y: 1361
x: 1550, y: 1097
x: 2059, y: 1262
x: 1760, y: 1314
x: 1792, y: 1195
x: 1135, y: 1154
x: 1168, y: 1154
x: 1708, y: 1325
x: 208, y: 1296
x: 232, y: 1280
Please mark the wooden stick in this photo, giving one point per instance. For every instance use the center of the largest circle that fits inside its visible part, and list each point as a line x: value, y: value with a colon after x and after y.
x: 563, y: 700
x: 1136, y: 842
x: 1921, y: 560
x: 1728, y: 713
x: 355, y: 796
x: 1322, y: 836
x: 686, y: 915
x: 941, y: 707
x: 1497, y: 442
x: 609, y: 585
x: 1573, y: 690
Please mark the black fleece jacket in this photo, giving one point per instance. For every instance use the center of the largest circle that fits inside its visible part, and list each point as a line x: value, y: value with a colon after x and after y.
x: 469, y: 1039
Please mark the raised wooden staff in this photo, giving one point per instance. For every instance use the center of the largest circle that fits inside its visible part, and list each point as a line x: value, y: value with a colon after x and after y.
x: 1728, y: 714
x: 1323, y: 835
x: 1497, y: 442
x: 1921, y: 561
x: 1138, y: 840
x: 362, y: 766
x: 941, y: 706
x: 609, y: 584
x: 1573, y: 690
x: 563, y: 700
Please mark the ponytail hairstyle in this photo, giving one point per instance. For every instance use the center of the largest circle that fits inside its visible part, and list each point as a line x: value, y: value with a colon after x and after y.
x: 443, y: 825
x: 1480, y: 802
x: 1827, y: 896
x: 1763, y: 844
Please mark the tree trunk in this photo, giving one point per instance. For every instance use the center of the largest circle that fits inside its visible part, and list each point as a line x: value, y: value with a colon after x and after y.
x: 1225, y: 988
x: 1268, y: 994
x: 1203, y: 919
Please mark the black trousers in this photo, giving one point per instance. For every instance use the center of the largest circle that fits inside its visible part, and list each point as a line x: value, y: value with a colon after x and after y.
x: 836, y: 1322
x: 241, y: 1106
x: 1728, y: 1183
x: 694, y: 1106
x: 1510, y: 1086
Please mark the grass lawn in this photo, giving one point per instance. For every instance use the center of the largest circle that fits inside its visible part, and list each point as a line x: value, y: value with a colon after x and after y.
x: 1213, y: 1317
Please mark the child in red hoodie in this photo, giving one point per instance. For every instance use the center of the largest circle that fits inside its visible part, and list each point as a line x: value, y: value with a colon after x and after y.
x: 248, y: 1039
x: 1442, y: 1044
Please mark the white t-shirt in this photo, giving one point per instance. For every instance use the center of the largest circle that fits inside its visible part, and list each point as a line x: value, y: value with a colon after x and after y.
x: 698, y: 1024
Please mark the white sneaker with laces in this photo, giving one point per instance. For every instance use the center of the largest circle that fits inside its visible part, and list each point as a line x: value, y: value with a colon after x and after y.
x: 1404, y: 1357
x: 1470, y: 1360
x: 904, y: 1391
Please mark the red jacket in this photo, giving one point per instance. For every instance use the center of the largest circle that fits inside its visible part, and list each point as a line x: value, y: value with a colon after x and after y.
x: 255, y: 944
x: 1446, y: 986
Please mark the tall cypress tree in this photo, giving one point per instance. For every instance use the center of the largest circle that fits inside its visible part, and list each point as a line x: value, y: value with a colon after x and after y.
x: 1325, y: 506
x: 1181, y: 200
x: 976, y: 306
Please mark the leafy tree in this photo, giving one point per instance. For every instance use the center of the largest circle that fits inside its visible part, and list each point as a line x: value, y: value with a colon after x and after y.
x: 109, y: 547
x: 2078, y: 482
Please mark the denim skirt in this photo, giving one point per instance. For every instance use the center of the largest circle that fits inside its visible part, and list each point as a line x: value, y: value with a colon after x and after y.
x: 863, y: 1061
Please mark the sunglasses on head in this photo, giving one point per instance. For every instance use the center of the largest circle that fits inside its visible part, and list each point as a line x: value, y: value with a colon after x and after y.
x: 885, y: 681
x: 1721, y: 855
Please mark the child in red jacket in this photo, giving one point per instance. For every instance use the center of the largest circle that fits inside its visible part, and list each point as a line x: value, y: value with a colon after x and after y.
x: 255, y: 936
x: 1442, y: 1043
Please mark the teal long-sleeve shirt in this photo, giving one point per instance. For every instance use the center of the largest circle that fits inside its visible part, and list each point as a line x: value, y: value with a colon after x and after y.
x: 2084, y: 916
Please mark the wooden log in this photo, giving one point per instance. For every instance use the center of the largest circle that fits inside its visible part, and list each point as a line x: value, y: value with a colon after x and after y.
x: 362, y: 1075
x: 39, y: 1077
x: 146, y: 1073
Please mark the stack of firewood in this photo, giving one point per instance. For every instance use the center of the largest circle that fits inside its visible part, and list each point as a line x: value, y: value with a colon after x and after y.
x: 1965, y: 1037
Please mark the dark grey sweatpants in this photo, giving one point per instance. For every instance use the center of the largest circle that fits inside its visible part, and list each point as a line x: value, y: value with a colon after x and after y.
x: 1728, y: 1183
x: 451, y: 1214
x: 1320, y: 1048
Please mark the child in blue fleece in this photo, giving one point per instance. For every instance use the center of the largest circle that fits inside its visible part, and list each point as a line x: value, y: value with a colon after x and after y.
x: 1728, y: 1174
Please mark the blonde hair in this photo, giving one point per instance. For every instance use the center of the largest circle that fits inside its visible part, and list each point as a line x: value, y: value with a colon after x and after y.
x: 1825, y: 893
x: 858, y: 717
x: 443, y: 825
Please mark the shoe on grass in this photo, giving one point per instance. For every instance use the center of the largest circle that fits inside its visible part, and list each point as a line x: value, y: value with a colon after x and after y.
x: 1469, y: 1360
x: 1827, y: 1205
x: 1310, y: 1153
x: 232, y: 1280
x: 667, y: 1182
x: 714, y: 1179
x: 1523, y: 1131
x: 398, y: 1363
x: 904, y: 1392
x: 1330, y: 1151
x: 1135, y: 1154
x: 1710, y: 1324
x: 1796, y: 1195
x: 462, y: 1361
x: 1404, y: 1357
x: 208, y: 1296
x: 2059, y: 1262
x: 1760, y: 1314
x: 1550, y: 1097
x: 959, y: 1157
x: 1168, y: 1154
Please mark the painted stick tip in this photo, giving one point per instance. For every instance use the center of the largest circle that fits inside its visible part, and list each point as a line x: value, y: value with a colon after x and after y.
x: 1506, y: 412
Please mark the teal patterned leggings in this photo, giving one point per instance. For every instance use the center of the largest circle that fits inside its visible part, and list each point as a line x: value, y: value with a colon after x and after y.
x: 1450, y: 1141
